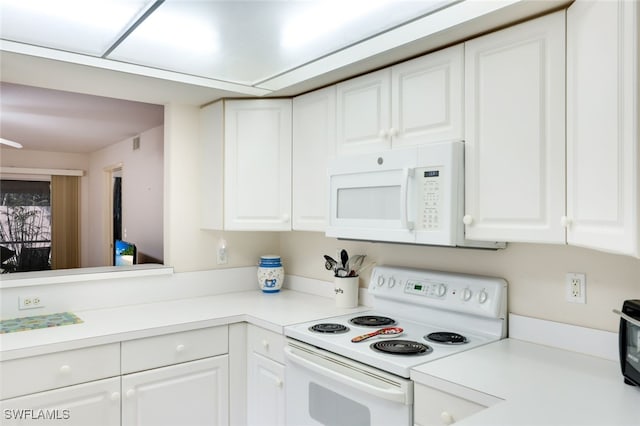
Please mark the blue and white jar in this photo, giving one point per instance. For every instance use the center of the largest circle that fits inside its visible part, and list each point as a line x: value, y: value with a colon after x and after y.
x: 270, y: 273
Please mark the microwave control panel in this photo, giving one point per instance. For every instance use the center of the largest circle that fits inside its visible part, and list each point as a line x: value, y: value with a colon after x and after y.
x: 430, y: 186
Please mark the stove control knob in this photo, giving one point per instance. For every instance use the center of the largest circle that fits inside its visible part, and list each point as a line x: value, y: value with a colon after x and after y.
x: 442, y: 290
x: 465, y: 295
x: 380, y: 280
x: 483, y: 296
x: 392, y: 282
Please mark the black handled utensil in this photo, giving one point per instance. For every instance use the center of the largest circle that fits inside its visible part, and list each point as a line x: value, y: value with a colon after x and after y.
x: 344, y: 257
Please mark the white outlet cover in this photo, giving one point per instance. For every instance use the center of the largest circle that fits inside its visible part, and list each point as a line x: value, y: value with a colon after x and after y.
x: 582, y: 296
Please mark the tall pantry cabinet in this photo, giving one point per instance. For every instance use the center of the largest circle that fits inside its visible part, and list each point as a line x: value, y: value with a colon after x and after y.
x: 603, y: 154
x: 515, y: 133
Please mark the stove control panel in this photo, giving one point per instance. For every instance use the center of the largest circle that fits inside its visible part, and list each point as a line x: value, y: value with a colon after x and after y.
x: 471, y: 294
x: 426, y: 288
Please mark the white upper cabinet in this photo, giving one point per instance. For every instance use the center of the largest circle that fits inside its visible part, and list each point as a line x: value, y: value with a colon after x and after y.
x: 413, y: 103
x: 427, y: 99
x: 314, y: 141
x: 364, y: 113
x: 515, y: 133
x: 246, y: 170
x: 602, y: 125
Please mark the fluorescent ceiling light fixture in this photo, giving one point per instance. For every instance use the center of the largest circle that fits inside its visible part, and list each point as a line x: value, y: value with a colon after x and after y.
x: 178, y: 30
x: 326, y: 18
x: 76, y: 25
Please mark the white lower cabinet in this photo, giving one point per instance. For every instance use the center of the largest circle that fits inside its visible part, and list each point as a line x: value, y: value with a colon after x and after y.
x: 433, y: 407
x: 188, y: 394
x: 176, y: 379
x: 265, y: 378
x: 171, y: 379
x: 90, y: 404
x: 266, y: 393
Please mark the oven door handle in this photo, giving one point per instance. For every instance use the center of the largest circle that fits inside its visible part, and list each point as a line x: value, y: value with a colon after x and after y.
x: 384, y: 393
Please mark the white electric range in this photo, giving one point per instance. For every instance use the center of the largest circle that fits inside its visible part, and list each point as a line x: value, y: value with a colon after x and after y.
x: 436, y: 313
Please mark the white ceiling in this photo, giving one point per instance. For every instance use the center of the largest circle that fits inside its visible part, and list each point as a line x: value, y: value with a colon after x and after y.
x: 58, y: 121
x: 243, y: 42
x: 196, y: 51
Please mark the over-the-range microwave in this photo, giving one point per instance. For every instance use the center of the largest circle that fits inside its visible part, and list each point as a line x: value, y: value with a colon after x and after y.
x: 410, y: 195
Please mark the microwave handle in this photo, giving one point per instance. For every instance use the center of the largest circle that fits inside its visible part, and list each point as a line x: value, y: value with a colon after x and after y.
x: 627, y: 317
x: 404, y: 208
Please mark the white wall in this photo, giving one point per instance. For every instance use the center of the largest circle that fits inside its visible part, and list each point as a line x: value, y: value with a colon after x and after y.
x: 142, y: 195
x: 10, y: 157
x: 535, y: 272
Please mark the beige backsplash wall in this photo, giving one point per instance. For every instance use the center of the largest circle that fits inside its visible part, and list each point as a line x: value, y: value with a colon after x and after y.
x: 535, y: 272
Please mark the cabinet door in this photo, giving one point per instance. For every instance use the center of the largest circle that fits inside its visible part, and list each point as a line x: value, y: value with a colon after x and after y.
x: 314, y: 139
x: 94, y: 403
x: 602, y: 125
x: 265, y: 393
x: 364, y: 113
x: 433, y: 407
x: 257, y: 156
x: 189, y: 394
x: 428, y: 98
x: 515, y: 133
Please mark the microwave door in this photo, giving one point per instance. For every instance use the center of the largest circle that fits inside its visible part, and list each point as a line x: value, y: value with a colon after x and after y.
x: 371, y: 206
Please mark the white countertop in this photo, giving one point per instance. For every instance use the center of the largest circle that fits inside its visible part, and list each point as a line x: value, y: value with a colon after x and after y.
x: 539, y: 385
x: 271, y: 311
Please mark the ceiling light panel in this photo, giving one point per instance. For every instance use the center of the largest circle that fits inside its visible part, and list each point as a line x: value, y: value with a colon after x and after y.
x: 247, y: 42
x: 80, y: 26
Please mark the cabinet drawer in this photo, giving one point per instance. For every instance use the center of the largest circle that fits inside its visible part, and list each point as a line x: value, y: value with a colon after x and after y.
x: 95, y: 403
x: 167, y: 349
x: 266, y: 343
x: 434, y: 407
x: 34, y: 374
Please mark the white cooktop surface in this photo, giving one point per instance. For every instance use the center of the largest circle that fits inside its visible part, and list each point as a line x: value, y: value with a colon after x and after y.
x: 361, y: 351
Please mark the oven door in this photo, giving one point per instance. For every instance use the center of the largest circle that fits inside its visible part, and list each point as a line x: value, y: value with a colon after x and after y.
x: 326, y: 389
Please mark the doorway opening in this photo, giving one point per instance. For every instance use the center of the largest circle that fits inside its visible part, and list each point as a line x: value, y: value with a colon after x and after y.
x: 113, y: 214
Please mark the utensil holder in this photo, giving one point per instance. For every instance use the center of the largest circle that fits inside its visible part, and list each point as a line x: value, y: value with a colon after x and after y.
x: 346, y: 289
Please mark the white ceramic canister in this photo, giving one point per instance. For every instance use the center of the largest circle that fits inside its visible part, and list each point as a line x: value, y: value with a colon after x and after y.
x: 270, y: 273
x: 346, y: 290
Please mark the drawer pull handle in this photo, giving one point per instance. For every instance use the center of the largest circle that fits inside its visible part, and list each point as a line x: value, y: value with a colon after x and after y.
x: 65, y: 369
x: 279, y: 383
x: 265, y: 344
x: 131, y: 393
x: 446, y: 418
x: 467, y: 219
x: 115, y: 396
x: 180, y: 348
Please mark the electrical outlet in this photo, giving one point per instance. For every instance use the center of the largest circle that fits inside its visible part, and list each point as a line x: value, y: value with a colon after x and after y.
x: 30, y: 302
x: 576, y: 287
x: 222, y: 257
